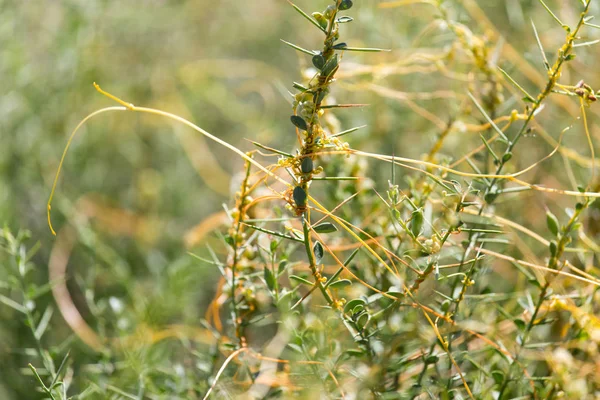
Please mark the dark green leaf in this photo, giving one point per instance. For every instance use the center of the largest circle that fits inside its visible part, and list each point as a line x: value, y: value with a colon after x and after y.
x: 299, y: 122
x: 325, y: 227
x: 330, y: 67
x: 319, y: 253
x: 299, y: 196
x: 552, y: 223
x: 345, y: 5
x: 498, y: 377
x: 416, y: 222
x: 269, y: 278
x: 318, y: 61
x: 282, y: 266
x: 307, y: 165
x: 340, y: 284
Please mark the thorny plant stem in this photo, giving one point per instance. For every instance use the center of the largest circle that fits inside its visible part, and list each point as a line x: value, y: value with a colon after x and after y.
x: 237, y: 241
x: 554, y: 263
x: 554, y: 75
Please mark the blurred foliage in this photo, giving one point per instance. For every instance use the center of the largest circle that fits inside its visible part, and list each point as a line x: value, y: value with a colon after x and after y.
x: 150, y: 320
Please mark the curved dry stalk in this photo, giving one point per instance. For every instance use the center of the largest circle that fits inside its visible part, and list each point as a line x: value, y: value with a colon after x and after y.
x: 593, y: 281
x: 227, y: 361
x: 510, y: 177
x: 130, y: 107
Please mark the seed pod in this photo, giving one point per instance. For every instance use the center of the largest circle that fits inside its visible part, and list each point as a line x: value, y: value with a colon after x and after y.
x: 307, y: 165
x: 299, y: 196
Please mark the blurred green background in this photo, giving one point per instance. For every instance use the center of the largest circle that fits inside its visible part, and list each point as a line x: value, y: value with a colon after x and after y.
x: 221, y: 65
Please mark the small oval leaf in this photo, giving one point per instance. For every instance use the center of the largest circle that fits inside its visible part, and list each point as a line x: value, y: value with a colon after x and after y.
x: 352, y: 304
x: 318, y: 61
x: 319, y: 253
x: 325, y: 227
x: 299, y: 122
x: 342, y: 283
x: 307, y: 165
x: 299, y: 196
x: 345, y: 5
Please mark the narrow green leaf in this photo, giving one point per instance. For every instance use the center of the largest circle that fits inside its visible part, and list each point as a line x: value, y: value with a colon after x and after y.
x: 308, y: 17
x: 366, y: 49
x: 527, y: 95
x: 336, y: 178
x: 487, y: 117
x: 489, y: 149
x: 344, y: 106
x: 269, y: 278
x: 13, y: 304
x: 43, y: 324
x: 416, y: 222
x: 282, y: 265
x: 539, y: 42
x: 274, y: 233
x: 293, y: 46
x: 301, y: 280
x: 348, y: 131
x: 553, y: 15
x: 552, y: 222
x: 339, y: 271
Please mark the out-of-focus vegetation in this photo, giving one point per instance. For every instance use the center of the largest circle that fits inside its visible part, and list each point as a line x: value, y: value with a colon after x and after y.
x: 179, y: 268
